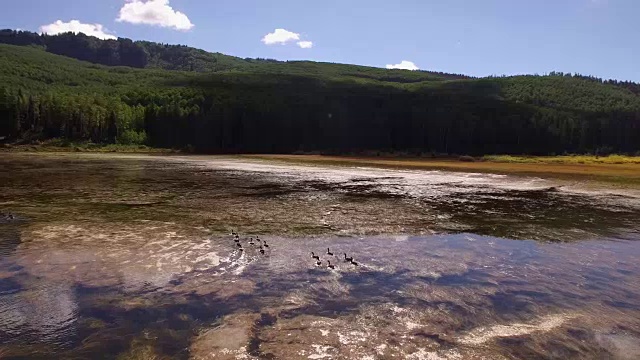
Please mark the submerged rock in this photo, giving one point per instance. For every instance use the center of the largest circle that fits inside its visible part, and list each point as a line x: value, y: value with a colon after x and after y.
x: 141, y: 350
x: 229, y: 340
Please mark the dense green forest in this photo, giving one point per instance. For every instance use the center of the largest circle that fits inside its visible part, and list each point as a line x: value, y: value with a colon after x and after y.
x: 179, y: 97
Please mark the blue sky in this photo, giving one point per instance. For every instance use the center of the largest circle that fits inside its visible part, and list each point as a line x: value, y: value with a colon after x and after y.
x: 476, y: 37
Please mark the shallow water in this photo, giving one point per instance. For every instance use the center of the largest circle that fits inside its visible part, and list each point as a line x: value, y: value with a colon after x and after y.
x: 129, y: 257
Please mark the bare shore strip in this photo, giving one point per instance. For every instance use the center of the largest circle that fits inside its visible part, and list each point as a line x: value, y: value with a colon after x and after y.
x: 621, y: 170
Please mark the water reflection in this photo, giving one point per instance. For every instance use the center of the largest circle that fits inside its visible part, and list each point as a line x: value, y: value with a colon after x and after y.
x: 439, y: 293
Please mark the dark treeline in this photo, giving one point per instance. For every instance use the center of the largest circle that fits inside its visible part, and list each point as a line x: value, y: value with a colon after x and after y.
x: 48, y: 96
x: 279, y: 117
x: 120, y: 52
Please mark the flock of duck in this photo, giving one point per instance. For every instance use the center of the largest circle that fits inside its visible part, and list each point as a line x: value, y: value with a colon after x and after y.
x: 262, y: 244
x: 329, y: 264
x: 7, y: 216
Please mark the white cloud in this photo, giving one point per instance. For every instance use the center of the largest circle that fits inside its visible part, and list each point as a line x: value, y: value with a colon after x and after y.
x: 75, y: 27
x: 280, y: 36
x: 305, y: 44
x: 154, y: 12
x: 404, y: 65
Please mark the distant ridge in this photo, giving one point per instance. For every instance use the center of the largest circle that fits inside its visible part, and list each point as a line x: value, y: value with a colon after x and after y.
x: 145, y: 54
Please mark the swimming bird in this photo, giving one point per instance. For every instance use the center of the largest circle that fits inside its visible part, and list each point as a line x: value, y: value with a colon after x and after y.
x: 314, y: 256
x: 347, y: 258
x: 329, y: 252
x: 261, y: 250
x: 318, y: 262
x: 265, y: 243
x: 258, y: 239
x: 251, y: 241
x: 236, y: 240
x: 239, y: 245
x: 330, y: 266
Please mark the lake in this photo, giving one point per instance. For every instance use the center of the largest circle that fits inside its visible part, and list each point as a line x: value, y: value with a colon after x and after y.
x: 132, y: 257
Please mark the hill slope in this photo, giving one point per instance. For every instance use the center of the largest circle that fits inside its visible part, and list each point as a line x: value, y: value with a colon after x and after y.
x: 287, y: 107
x: 145, y: 54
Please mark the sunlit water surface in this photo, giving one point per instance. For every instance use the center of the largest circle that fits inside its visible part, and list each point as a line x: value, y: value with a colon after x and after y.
x: 130, y: 257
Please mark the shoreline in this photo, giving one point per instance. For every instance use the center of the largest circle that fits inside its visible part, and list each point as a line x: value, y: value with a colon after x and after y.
x: 622, y: 171
x: 627, y: 174
x: 87, y: 148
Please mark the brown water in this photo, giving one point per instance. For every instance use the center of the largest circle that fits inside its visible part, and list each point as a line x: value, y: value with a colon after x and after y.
x: 129, y: 257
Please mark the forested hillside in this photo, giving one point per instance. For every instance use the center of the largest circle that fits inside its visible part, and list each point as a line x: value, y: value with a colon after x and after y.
x: 225, y: 104
x: 144, y: 54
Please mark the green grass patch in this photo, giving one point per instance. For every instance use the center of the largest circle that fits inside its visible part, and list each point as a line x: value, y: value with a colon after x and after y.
x: 62, y: 145
x: 565, y: 159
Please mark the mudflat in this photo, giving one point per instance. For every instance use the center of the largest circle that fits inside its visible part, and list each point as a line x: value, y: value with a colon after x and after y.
x: 617, y: 170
